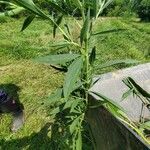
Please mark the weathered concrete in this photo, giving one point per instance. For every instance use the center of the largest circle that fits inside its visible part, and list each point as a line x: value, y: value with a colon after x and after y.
x: 108, y: 132
x: 111, y: 85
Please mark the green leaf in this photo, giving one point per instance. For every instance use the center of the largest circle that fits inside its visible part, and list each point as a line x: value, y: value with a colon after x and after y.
x: 72, y: 75
x: 29, y: 5
x: 77, y: 85
x: 27, y: 22
x: 101, y: 6
x: 137, y: 89
x: 95, y: 81
x: 58, y: 22
x: 92, y: 56
x: 126, y: 94
x: 54, y: 97
x: 61, y: 44
x: 107, y: 100
x: 57, y: 7
x: 117, y: 62
x: 66, y: 38
x: 107, y: 3
x: 84, y: 35
x: 97, y: 104
x: 74, y: 105
x: 79, y: 141
x: 127, y: 83
x: 77, y: 3
x: 74, y: 124
x: 68, y: 28
x: 55, y: 111
x: 60, y: 59
x: 96, y: 7
x: 71, y: 104
x: 145, y: 125
x: 68, y: 104
x: 7, y: 3
x: 112, y: 106
x: 12, y: 12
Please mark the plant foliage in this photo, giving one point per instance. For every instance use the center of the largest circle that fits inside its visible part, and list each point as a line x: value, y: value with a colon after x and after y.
x: 72, y: 100
x: 136, y: 90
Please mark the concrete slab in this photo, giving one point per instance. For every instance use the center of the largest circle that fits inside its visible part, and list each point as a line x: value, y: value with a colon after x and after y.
x: 111, y: 85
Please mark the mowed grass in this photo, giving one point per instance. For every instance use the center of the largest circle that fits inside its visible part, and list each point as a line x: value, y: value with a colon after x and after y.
x: 129, y: 40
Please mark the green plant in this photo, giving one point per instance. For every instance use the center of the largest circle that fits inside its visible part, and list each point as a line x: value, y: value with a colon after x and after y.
x: 120, y: 8
x: 144, y: 96
x: 143, y: 10
x: 71, y: 102
x: 10, y: 10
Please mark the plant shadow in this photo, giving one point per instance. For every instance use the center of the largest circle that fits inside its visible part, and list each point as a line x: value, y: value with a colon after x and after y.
x: 12, y: 90
x: 39, y: 141
x: 109, y: 31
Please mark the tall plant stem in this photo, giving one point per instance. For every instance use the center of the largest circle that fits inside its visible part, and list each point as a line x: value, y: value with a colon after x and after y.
x: 87, y: 68
x: 82, y: 11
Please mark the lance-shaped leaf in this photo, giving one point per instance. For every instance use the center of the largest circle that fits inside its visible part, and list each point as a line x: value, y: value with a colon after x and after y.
x: 64, y: 44
x: 29, y: 5
x: 58, y: 22
x: 107, y: 3
x: 145, y: 125
x: 71, y: 104
x: 55, y: 111
x: 68, y: 104
x: 60, y: 59
x: 72, y: 75
x: 75, y: 124
x: 54, y: 97
x: 85, y: 29
x: 7, y: 3
x: 27, y: 22
x: 95, y: 7
x: 111, y: 106
x: 117, y: 62
x: 102, y: 5
x: 79, y: 141
x: 107, y: 100
x: 74, y: 105
x: 57, y: 7
x: 126, y: 94
x: 12, y: 12
x: 136, y: 88
x: 77, y: 3
x: 92, y: 56
x: 68, y: 29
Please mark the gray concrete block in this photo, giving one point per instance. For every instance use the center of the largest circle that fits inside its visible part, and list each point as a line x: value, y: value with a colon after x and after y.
x: 111, y: 85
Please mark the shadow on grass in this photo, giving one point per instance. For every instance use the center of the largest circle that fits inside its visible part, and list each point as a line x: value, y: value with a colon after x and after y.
x: 109, y: 31
x: 52, y: 136
x: 12, y: 91
x: 39, y: 141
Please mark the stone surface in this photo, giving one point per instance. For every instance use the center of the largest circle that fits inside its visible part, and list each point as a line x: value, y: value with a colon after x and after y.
x: 111, y: 85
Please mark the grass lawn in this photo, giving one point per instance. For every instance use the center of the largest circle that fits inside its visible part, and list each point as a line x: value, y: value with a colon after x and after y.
x: 37, y: 81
